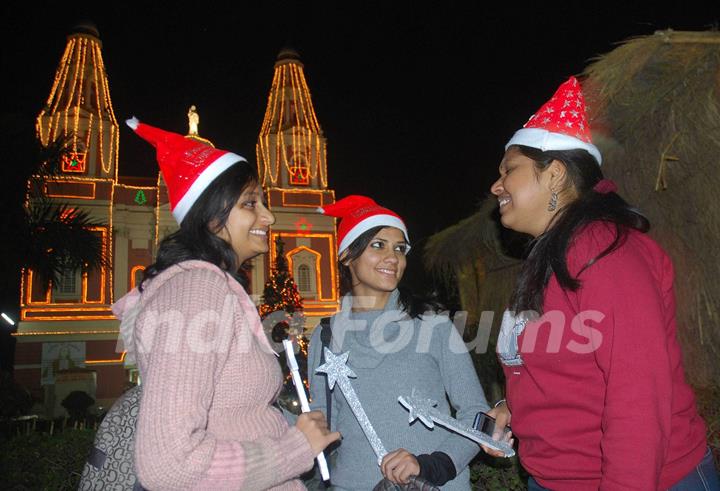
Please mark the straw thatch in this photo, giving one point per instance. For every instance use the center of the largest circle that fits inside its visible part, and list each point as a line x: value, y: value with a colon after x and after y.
x: 655, y: 105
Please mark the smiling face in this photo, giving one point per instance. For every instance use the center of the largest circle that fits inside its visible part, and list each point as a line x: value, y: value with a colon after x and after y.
x: 379, y: 269
x: 248, y: 224
x: 524, y: 193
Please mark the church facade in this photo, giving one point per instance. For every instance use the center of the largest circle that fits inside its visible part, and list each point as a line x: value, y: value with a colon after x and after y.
x: 67, y: 335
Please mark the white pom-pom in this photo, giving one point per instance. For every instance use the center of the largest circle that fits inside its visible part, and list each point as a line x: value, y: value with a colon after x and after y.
x: 320, y: 209
x: 132, y: 122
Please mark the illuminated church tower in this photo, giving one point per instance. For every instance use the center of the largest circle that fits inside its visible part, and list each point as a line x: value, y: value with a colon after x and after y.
x: 292, y: 165
x: 67, y: 335
x: 79, y: 109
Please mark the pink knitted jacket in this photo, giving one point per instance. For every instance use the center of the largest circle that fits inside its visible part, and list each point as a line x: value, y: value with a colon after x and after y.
x: 209, y: 378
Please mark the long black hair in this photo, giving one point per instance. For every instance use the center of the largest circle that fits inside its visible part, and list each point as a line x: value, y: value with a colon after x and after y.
x: 196, y: 238
x: 548, y: 251
x: 414, y: 305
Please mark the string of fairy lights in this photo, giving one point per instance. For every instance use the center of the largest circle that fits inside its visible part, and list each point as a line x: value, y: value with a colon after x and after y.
x: 290, y: 135
x: 80, y: 101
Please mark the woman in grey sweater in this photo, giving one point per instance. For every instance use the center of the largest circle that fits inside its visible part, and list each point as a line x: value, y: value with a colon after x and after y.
x: 394, y: 347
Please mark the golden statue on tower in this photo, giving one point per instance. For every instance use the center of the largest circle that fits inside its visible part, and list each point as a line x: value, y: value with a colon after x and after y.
x: 193, y: 121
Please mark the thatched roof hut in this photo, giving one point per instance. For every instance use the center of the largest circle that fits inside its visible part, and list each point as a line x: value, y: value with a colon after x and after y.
x: 656, y: 99
x: 654, y: 104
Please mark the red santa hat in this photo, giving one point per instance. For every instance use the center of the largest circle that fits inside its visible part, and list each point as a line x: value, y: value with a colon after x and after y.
x: 358, y: 214
x: 188, y: 166
x: 561, y: 124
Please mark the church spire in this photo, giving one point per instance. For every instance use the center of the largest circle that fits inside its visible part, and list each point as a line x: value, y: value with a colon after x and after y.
x: 291, y: 148
x: 79, y: 107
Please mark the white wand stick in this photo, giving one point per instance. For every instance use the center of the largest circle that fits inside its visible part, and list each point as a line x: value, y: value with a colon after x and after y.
x: 304, y: 405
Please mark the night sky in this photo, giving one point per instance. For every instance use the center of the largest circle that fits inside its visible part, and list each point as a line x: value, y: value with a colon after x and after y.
x: 416, y: 102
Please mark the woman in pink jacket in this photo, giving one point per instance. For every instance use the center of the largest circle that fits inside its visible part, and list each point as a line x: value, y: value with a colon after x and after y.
x: 594, y: 372
x: 209, y: 376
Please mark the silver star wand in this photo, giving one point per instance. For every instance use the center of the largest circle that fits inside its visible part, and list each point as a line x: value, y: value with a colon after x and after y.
x: 424, y: 410
x: 336, y: 368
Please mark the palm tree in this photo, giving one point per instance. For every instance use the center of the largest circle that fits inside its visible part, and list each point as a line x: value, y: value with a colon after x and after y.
x: 36, y: 232
x: 58, y: 240
x: 54, y: 237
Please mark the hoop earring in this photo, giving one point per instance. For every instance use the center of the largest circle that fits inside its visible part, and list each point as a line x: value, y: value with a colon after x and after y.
x: 552, y: 205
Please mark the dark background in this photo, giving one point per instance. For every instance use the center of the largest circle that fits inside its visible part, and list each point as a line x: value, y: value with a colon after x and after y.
x: 416, y: 99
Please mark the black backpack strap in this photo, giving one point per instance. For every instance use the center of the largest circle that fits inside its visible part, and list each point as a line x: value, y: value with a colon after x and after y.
x: 325, y: 338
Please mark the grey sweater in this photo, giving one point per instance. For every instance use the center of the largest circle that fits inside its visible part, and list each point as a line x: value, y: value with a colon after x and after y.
x: 391, y: 354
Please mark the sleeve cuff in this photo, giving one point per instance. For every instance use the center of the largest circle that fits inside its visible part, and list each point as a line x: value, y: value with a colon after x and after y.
x: 437, y: 468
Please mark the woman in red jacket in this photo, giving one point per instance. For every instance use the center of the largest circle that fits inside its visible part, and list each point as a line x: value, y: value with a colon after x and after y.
x: 595, y: 381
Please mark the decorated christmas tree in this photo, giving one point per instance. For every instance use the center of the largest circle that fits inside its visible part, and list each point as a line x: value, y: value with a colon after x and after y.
x: 280, y: 292
x: 283, y: 318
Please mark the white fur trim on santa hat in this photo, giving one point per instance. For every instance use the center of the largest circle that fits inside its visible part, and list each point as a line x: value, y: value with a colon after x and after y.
x: 371, y: 222
x: 203, y: 181
x: 545, y: 140
x: 132, y: 122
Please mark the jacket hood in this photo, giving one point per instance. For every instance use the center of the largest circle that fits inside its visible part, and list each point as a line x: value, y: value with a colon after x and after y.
x: 127, y: 308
